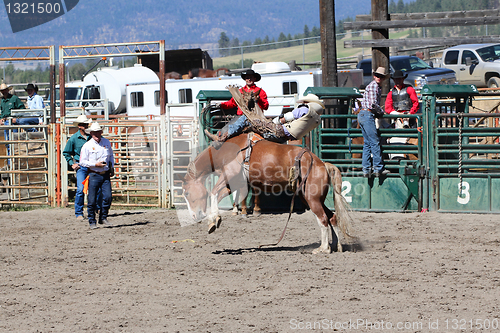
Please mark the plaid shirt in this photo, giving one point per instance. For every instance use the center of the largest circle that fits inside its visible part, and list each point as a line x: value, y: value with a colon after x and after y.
x: 372, y: 95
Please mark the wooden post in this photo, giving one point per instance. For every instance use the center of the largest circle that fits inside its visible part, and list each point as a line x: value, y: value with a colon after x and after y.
x: 380, y: 55
x: 328, y: 43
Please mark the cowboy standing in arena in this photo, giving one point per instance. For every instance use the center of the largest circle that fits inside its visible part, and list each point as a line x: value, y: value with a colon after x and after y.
x: 97, y: 156
x: 71, y: 153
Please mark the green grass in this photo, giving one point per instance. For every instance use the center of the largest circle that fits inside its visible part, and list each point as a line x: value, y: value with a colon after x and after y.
x: 308, y: 53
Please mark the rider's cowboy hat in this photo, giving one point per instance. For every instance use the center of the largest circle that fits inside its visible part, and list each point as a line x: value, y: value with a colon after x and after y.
x: 3, y: 87
x: 380, y: 72
x: 82, y: 119
x: 94, y: 127
x: 250, y: 72
x: 31, y: 86
x: 313, y: 102
x: 399, y: 75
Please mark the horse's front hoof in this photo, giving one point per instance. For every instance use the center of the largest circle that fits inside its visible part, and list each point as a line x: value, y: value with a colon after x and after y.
x: 234, y: 213
x: 319, y: 250
x: 339, y: 247
x: 211, y: 228
x: 244, y: 216
x: 257, y: 213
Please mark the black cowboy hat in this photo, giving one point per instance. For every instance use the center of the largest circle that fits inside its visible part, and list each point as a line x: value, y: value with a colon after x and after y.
x: 31, y: 86
x: 250, y: 72
x: 399, y: 75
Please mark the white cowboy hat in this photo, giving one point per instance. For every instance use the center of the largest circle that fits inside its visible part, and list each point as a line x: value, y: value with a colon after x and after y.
x: 3, y: 86
x: 380, y: 71
x: 94, y: 127
x: 311, y: 98
x: 82, y: 119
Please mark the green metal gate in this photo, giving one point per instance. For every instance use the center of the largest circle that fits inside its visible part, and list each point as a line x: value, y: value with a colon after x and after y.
x: 461, y: 152
x: 338, y: 141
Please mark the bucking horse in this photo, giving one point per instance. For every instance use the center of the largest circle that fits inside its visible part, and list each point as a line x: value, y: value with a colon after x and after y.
x: 271, y: 168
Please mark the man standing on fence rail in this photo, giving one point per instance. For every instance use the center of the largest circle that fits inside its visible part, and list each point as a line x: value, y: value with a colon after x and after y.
x: 71, y: 153
x: 370, y: 106
x: 97, y: 156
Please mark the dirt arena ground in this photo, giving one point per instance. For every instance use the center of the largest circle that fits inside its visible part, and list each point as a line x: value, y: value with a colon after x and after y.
x: 418, y: 272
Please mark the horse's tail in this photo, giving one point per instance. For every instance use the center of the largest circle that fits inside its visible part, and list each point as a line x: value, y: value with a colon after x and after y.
x: 342, y: 208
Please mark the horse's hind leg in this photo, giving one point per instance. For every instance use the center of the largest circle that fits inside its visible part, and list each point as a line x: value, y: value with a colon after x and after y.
x: 235, y: 200
x: 335, y: 227
x: 257, y: 211
x: 325, y: 244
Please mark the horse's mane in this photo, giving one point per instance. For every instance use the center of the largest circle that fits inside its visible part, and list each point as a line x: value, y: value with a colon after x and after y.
x: 191, y: 170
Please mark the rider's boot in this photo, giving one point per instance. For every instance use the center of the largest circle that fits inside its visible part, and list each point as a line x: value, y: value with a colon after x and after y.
x: 219, y: 138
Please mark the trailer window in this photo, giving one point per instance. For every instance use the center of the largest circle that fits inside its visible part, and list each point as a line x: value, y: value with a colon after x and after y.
x: 185, y: 96
x: 157, y: 97
x: 290, y: 88
x: 137, y: 99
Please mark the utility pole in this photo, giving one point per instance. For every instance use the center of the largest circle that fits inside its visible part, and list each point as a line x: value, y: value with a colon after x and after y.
x: 328, y: 43
x: 380, y: 55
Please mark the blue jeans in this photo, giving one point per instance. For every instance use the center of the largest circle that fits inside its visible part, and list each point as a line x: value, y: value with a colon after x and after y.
x: 96, y: 182
x: 371, y: 145
x: 81, y: 174
x: 20, y: 121
x: 28, y: 121
x: 237, y: 125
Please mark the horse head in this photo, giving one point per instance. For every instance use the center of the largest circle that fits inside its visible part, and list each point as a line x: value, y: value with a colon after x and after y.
x: 195, y: 194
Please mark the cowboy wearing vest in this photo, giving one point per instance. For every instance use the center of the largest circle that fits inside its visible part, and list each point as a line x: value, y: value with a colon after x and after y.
x: 293, y: 125
x: 402, y: 99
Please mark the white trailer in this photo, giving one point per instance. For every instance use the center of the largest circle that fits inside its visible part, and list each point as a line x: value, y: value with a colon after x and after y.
x: 143, y: 99
x: 280, y: 84
x: 108, y: 83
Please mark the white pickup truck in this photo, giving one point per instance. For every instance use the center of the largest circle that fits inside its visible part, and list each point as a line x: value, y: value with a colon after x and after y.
x: 477, y: 64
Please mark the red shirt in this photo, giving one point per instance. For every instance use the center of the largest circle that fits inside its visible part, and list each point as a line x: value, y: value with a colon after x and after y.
x: 413, y: 97
x: 262, y: 102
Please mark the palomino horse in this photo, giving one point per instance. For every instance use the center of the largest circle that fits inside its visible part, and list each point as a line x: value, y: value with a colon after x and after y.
x: 270, y: 167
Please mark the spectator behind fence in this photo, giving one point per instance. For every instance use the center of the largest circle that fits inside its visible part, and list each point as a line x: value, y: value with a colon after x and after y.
x: 402, y: 99
x: 12, y: 102
x: 97, y: 156
x: 35, y: 101
x: 9, y: 102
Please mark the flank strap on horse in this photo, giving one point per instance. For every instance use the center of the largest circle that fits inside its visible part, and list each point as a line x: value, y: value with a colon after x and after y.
x: 295, y: 179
